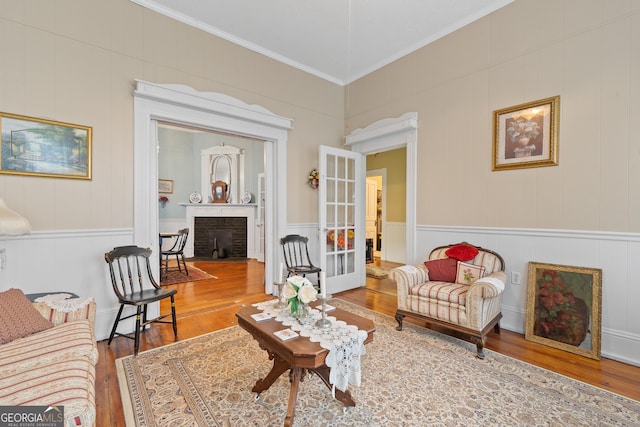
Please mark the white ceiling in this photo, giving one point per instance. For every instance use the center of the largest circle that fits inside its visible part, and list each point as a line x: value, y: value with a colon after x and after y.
x: 337, y: 40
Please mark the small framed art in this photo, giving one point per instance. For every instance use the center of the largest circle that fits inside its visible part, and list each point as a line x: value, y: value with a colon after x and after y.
x: 165, y: 186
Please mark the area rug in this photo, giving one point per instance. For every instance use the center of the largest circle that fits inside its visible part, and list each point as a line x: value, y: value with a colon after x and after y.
x: 415, y: 377
x: 173, y: 277
x: 377, y: 272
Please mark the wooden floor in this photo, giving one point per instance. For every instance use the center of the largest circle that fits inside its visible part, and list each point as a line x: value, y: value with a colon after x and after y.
x: 210, y: 305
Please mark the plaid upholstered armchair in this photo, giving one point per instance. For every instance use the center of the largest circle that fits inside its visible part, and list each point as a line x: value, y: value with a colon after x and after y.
x: 459, y: 289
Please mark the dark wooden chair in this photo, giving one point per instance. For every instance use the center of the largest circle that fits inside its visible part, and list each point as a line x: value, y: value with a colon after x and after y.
x: 296, y: 256
x: 134, y: 285
x: 177, y: 250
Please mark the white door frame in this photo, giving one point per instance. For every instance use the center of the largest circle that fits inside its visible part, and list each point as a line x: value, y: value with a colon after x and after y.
x: 388, y: 134
x: 208, y: 110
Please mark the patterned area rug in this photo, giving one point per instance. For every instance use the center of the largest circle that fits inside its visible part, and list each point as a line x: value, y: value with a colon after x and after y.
x: 377, y: 272
x: 415, y: 377
x: 174, y: 276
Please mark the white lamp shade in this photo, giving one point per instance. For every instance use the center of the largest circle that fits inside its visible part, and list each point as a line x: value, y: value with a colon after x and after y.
x: 12, y: 223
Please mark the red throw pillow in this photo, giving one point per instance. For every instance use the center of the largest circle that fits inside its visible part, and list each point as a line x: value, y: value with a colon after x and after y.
x: 462, y: 252
x: 442, y: 270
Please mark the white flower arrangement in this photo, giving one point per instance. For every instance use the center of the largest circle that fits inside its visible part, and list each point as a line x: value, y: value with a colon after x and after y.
x: 298, y: 290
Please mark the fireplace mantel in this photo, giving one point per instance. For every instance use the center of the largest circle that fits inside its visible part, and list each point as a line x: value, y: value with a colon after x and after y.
x: 248, y: 211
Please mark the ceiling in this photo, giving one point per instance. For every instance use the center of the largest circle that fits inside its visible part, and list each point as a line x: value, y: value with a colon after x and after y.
x: 337, y: 40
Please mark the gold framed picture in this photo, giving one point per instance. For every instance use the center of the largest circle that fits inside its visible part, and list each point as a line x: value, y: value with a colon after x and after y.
x: 526, y: 135
x: 45, y: 148
x: 564, y: 307
x: 165, y: 186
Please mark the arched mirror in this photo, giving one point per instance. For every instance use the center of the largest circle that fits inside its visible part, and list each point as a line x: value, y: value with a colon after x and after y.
x: 224, y: 165
x: 221, y: 172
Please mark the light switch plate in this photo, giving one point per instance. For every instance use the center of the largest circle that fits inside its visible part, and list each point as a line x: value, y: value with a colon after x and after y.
x: 515, y: 277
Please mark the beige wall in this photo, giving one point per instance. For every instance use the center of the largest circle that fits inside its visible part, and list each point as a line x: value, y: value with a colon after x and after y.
x: 588, y: 52
x: 76, y: 61
x: 395, y: 162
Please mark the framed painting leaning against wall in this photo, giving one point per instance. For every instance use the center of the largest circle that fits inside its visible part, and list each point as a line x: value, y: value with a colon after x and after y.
x: 564, y: 307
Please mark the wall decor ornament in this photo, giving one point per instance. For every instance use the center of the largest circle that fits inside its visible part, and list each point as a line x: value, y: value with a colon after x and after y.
x: 526, y: 135
x: 314, y: 179
x: 45, y: 148
x: 564, y: 307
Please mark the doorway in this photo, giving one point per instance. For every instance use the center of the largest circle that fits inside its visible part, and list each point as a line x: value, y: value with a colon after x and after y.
x: 184, y: 155
x: 375, y: 212
x: 387, y: 170
x: 186, y: 106
x: 386, y: 135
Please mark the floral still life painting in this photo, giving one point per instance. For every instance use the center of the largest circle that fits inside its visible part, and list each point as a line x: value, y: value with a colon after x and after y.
x: 526, y: 135
x: 564, y: 308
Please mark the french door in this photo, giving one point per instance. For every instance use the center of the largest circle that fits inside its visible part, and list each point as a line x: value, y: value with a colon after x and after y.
x: 342, y: 222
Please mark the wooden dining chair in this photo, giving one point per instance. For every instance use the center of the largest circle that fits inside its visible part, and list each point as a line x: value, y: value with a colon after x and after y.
x: 134, y: 285
x: 296, y: 256
x: 177, y: 250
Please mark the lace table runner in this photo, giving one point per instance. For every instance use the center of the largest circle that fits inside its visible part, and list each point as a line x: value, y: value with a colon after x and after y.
x: 344, y: 342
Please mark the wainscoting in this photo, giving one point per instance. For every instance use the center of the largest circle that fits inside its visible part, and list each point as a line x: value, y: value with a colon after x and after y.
x: 74, y: 261
x: 616, y: 254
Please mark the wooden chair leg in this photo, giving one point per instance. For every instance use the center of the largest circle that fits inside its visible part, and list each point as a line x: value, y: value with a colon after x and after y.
x: 115, y: 324
x: 136, y: 339
x: 173, y: 317
x: 184, y: 262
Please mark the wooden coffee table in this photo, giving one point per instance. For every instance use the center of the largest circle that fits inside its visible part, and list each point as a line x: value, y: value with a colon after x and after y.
x: 298, y: 355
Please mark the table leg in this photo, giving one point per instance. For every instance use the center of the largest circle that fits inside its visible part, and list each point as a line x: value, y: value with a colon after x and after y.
x: 296, y: 376
x: 279, y: 366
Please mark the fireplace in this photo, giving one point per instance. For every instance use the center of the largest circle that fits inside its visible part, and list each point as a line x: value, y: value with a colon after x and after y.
x: 220, y: 237
x: 228, y: 226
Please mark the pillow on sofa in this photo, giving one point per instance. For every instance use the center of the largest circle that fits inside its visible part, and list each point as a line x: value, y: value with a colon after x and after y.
x: 462, y: 252
x: 19, y: 317
x: 466, y: 274
x: 442, y: 270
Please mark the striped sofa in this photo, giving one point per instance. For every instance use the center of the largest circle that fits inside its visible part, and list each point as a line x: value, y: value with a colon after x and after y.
x: 471, y: 309
x: 54, y: 367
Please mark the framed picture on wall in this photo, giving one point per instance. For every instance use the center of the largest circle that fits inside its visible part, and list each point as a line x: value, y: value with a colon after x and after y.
x: 45, y: 148
x: 564, y: 307
x: 526, y: 135
x: 165, y: 186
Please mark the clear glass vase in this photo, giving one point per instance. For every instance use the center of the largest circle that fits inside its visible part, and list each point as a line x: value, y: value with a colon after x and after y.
x: 302, y: 313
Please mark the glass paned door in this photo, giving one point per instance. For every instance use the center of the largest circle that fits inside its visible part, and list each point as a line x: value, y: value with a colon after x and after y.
x: 342, y: 231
